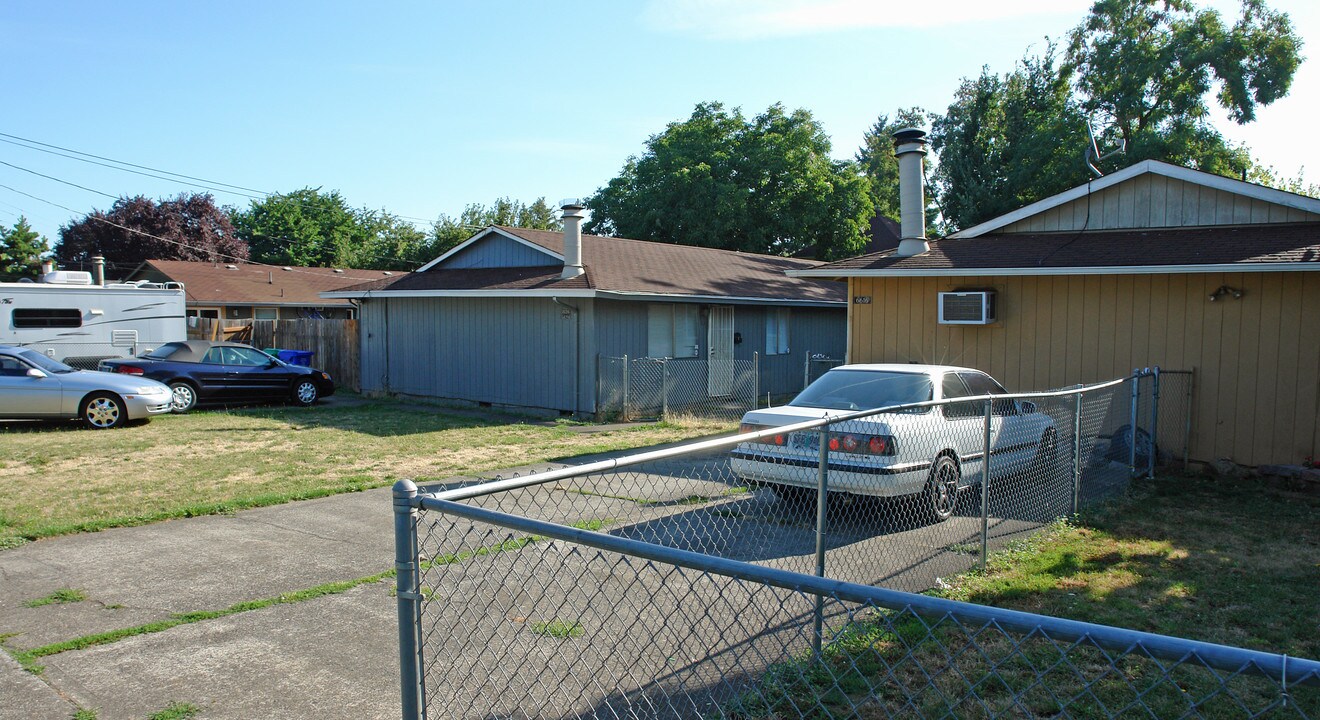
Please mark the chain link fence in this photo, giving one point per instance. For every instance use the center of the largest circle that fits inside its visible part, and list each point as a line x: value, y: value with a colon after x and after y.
x: 815, y: 365
x: 644, y: 388
x: 769, y: 575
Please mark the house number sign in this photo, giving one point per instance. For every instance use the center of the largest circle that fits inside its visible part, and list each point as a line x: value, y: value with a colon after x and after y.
x: 861, y: 299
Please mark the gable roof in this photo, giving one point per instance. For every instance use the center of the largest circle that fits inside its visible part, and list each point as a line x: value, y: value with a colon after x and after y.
x: 1244, y: 248
x: 1152, y: 167
x: 254, y: 284
x: 619, y: 268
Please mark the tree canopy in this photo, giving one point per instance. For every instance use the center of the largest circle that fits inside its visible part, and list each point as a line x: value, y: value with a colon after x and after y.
x: 305, y: 227
x: 189, y: 226
x: 21, y: 250
x: 877, y: 161
x: 717, y: 179
x: 448, y: 232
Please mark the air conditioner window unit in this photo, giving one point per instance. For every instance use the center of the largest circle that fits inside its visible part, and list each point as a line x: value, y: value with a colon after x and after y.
x: 967, y: 308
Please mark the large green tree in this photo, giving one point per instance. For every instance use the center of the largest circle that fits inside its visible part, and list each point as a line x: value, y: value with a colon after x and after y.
x: 877, y: 161
x: 305, y: 227
x: 189, y: 226
x: 1141, y: 72
x: 21, y: 250
x: 717, y: 179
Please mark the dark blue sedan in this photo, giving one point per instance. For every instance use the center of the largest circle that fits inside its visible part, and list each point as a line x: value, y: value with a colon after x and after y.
x: 201, y: 371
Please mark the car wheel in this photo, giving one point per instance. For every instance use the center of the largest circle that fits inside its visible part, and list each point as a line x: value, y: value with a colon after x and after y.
x: 103, y: 411
x: 305, y: 392
x: 941, y: 493
x: 184, y: 397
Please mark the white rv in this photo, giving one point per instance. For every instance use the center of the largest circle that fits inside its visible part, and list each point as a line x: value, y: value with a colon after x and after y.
x: 69, y: 318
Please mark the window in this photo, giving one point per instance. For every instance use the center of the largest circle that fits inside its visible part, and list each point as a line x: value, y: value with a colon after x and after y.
x: 265, y: 313
x: 211, y: 313
x: 776, y: 331
x: 214, y: 357
x: 671, y: 331
x: 246, y: 357
x: 12, y: 367
x: 979, y: 384
x: 47, y: 318
x: 953, y: 388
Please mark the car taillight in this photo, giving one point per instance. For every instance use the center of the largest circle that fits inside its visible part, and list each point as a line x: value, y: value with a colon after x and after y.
x: 130, y: 370
x: 862, y: 444
x: 777, y: 439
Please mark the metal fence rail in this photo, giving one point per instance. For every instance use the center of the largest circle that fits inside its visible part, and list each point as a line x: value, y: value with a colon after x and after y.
x: 670, y: 583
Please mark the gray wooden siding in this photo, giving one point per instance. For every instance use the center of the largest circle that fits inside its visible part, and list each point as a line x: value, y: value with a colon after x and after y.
x: 507, y: 351
x: 1149, y: 201
x: 373, y: 329
x: 498, y: 251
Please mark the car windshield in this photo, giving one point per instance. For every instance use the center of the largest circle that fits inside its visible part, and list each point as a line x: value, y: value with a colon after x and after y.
x: 864, y: 390
x: 48, y: 364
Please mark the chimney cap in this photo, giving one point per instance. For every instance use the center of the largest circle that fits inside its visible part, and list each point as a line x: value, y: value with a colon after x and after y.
x: 907, y: 135
x: 572, y: 203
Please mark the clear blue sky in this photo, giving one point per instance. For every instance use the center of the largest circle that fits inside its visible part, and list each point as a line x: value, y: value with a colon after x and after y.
x: 421, y: 108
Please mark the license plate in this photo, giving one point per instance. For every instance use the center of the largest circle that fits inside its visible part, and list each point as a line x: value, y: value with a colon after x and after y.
x: 805, y: 441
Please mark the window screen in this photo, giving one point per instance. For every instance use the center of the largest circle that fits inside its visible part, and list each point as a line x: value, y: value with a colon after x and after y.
x: 776, y: 331
x: 671, y: 331
x: 47, y: 318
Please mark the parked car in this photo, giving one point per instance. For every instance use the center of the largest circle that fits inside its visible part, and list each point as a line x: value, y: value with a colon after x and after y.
x: 35, y: 387
x: 932, y: 452
x: 201, y: 371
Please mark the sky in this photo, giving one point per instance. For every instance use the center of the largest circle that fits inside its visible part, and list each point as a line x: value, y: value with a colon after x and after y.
x: 421, y: 108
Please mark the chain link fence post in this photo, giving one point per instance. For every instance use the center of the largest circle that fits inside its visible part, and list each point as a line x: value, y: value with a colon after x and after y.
x: 1077, y: 455
x: 985, y: 489
x: 1154, y: 422
x: 409, y: 600
x: 626, y: 380
x: 822, y: 488
x: 1187, y: 437
x: 664, y: 389
x: 1132, y: 422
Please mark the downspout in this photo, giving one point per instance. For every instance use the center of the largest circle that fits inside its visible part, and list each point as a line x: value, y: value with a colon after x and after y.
x: 577, y: 353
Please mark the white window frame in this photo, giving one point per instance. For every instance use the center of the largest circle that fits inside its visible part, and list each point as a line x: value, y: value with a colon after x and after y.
x: 671, y: 330
x: 256, y: 313
x: 776, y: 331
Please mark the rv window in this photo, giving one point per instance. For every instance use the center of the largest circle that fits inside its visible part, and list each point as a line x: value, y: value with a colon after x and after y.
x: 47, y: 318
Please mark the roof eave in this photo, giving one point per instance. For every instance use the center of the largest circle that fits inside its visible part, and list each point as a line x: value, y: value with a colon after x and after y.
x: 1255, y: 267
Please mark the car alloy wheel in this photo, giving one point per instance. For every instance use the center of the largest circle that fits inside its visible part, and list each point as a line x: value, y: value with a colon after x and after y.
x: 305, y: 392
x: 942, y: 489
x: 183, y: 397
x: 103, y: 411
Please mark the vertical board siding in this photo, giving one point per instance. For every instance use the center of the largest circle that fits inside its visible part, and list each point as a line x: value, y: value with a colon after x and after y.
x: 507, y: 351
x: 1257, y: 359
x: 499, y: 251
x: 1157, y: 201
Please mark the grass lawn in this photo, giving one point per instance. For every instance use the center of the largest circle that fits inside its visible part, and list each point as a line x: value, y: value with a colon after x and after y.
x: 57, y: 479
x: 1223, y: 561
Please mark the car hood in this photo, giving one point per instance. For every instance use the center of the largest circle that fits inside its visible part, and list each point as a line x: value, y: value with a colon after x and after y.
x: 97, y: 380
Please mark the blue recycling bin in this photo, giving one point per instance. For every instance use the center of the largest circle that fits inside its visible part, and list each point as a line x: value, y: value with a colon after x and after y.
x: 297, y: 357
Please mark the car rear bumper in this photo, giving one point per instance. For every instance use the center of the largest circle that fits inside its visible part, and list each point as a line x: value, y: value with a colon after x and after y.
x: 880, y: 480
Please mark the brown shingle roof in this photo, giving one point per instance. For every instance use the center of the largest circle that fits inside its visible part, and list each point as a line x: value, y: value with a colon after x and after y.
x: 635, y: 266
x: 1248, y: 245
x: 250, y: 284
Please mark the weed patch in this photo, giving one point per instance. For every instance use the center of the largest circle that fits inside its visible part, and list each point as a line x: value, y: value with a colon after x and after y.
x: 63, y: 595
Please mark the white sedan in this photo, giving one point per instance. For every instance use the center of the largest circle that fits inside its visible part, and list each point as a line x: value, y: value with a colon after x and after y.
x: 930, y: 452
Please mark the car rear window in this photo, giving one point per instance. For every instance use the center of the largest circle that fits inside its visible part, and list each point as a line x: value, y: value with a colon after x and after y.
x: 864, y: 390
x: 163, y: 352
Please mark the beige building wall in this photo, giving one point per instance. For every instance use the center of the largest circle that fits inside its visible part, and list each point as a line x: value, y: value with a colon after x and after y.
x: 1257, y: 359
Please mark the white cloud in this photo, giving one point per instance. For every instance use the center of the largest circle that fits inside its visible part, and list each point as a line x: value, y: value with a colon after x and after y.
x: 756, y: 19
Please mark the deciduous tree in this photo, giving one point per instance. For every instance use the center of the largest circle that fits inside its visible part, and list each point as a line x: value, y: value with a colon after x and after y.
x: 186, y: 227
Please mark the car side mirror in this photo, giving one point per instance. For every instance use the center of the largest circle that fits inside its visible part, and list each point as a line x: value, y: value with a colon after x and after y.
x: 1028, y: 407
x: 35, y: 373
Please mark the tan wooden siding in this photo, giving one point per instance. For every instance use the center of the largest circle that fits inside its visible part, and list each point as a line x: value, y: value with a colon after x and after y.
x: 1257, y: 359
x: 1149, y: 201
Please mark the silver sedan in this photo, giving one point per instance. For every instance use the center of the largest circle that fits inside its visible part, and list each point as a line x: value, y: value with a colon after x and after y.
x: 35, y: 387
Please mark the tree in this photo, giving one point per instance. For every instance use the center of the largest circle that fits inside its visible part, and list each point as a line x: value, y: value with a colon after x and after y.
x: 718, y: 180
x: 448, y: 232
x: 21, y: 250
x: 304, y: 228
x: 187, y: 227
x: 1144, y: 68
x: 1007, y: 141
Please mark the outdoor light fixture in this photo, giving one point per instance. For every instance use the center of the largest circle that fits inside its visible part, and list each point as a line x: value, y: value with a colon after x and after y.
x: 1223, y: 290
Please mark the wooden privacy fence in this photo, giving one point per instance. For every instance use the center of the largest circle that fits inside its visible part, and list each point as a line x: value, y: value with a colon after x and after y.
x: 334, y: 342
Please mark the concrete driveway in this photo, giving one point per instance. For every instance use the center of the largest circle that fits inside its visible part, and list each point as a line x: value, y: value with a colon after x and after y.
x: 335, y: 655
